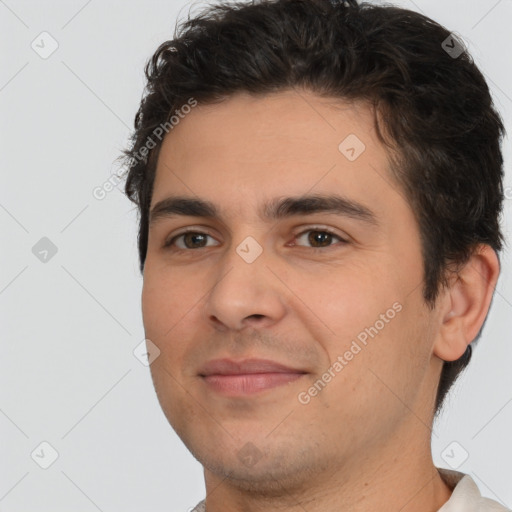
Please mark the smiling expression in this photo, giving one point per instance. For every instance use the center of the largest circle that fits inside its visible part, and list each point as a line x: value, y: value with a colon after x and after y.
x: 270, y: 241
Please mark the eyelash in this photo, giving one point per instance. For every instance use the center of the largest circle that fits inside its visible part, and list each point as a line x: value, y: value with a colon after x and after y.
x: 171, y: 241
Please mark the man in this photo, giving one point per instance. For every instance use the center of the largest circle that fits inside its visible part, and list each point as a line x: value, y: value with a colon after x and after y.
x: 319, y: 186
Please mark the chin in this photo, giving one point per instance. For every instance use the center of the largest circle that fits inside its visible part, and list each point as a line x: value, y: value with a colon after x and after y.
x: 266, y: 475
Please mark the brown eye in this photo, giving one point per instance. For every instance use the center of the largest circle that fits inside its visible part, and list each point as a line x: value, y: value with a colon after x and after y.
x: 189, y: 240
x: 319, y: 238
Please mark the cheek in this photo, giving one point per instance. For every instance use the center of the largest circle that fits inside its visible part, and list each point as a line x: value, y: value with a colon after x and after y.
x: 167, y: 309
x: 364, y: 316
x: 345, y: 296
x: 167, y: 297
x: 389, y: 370
x: 379, y: 379
x: 172, y: 300
x: 155, y: 306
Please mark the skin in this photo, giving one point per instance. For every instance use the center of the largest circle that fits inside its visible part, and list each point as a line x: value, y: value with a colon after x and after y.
x: 363, y: 442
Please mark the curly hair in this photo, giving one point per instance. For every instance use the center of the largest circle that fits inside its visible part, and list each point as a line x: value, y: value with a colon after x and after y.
x: 431, y: 104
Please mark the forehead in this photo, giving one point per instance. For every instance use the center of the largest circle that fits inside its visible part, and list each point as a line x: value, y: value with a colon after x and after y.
x: 250, y: 148
x: 285, y: 125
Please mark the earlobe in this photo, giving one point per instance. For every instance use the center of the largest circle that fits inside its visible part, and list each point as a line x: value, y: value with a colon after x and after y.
x: 465, y: 303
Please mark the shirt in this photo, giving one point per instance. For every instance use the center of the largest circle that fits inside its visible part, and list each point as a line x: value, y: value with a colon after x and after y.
x: 465, y: 495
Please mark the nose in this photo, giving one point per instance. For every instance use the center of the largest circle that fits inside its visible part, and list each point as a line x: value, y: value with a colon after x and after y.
x: 246, y: 294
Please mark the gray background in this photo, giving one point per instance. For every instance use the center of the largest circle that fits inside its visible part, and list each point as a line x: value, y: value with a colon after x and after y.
x: 70, y: 324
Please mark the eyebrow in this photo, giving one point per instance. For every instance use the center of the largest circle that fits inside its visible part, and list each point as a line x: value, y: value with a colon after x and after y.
x: 277, y: 208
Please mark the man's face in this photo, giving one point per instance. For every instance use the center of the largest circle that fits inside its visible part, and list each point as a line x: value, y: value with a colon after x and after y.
x: 282, y: 289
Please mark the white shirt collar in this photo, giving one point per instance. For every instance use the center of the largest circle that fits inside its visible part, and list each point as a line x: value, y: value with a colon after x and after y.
x: 466, y: 496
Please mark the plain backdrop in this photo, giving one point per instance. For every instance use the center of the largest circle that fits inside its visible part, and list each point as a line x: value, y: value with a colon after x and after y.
x: 70, y: 285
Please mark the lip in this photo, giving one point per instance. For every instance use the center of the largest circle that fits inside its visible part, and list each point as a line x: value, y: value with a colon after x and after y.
x: 247, y: 376
x: 244, y: 367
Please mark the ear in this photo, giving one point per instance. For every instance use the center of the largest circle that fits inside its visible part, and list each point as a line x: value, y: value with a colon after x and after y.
x: 465, y: 303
